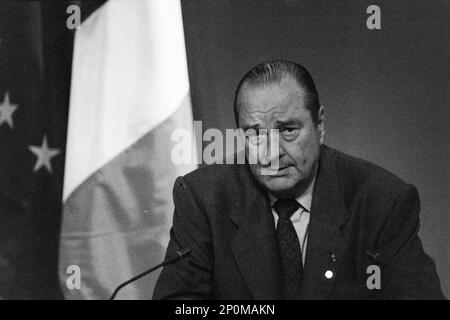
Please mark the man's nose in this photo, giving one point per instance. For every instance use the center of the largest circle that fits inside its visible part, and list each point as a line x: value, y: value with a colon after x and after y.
x: 273, y: 151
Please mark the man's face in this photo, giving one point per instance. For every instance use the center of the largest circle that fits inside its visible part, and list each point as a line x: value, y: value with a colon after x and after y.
x: 282, y: 106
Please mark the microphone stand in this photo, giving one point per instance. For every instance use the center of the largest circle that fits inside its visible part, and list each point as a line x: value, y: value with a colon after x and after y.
x: 181, y: 254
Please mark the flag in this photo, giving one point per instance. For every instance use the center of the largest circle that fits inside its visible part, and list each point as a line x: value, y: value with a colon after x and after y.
x: 129, y: 92
x: 35, y: 64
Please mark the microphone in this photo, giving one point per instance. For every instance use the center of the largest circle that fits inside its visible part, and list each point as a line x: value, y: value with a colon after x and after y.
x: 181, y: 254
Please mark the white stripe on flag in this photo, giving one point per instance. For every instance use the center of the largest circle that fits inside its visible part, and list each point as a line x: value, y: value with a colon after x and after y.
x: 129, y: 74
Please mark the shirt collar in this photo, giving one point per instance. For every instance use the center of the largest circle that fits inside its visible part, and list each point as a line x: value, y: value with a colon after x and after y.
x: 304, y: 199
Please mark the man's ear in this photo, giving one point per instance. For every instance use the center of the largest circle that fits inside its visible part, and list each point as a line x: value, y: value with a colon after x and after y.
x: 321, y: 123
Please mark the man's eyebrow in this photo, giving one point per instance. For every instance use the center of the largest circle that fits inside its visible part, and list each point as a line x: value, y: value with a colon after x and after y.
x: 288, y: 122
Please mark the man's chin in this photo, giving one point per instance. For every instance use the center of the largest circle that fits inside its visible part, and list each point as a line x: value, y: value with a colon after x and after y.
x: 278, y: 185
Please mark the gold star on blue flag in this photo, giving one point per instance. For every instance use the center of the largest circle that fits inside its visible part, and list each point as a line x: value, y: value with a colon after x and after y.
x: 7, y: 109
x: 44, y: 155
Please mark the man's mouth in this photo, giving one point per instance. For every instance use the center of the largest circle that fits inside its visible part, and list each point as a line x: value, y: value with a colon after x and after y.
x: 280, y: 171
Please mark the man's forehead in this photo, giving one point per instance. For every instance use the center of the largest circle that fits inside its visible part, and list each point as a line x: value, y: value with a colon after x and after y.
x: 274, y: 112
x: 284, y: 116
x: 270, y: 110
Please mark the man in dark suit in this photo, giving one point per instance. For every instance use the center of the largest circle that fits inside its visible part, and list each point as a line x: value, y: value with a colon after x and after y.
x: 319, y: 225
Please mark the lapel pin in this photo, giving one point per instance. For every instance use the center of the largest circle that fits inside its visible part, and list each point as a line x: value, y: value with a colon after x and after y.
x: 333, y: 257
x: 329, y: 274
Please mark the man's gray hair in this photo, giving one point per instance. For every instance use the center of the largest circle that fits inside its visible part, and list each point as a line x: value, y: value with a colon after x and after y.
x: 273, y: 72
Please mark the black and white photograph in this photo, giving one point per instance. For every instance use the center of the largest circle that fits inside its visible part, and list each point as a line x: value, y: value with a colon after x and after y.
x: 224, y: 150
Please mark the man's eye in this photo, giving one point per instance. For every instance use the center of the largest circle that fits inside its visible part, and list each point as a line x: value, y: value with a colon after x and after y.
x: 287, y: 130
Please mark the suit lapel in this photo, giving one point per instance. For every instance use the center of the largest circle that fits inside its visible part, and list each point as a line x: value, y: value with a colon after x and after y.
x: 255, y: 247
x: 326, y: 242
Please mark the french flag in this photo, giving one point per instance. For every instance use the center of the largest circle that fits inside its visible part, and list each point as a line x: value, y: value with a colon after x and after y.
x: 129, y: 92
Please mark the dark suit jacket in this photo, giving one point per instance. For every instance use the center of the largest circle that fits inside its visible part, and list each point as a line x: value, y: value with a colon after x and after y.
x: 360, y: 213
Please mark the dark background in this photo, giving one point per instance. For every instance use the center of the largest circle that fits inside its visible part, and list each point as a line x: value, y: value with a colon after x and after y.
x: 385, y: 92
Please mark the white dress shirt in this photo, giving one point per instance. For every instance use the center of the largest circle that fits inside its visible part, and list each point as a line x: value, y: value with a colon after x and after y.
x: 300, y: 218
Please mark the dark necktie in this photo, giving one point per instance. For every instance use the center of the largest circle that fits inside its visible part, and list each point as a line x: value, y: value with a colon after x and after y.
x: 289, y: 246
